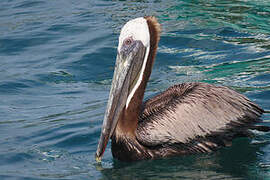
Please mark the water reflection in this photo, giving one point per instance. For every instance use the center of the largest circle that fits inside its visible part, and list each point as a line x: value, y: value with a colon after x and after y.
x: 238, y: 162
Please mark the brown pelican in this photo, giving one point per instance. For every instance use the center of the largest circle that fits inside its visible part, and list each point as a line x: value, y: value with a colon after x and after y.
x: 186, y: 118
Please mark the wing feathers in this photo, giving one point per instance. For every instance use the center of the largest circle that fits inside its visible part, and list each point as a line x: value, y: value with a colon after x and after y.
x: 198, y: 115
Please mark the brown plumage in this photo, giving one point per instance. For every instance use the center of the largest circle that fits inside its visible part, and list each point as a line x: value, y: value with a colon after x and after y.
x: 186, y: 118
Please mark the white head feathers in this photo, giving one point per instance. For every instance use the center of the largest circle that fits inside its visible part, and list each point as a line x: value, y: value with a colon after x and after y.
x: 137, y: 29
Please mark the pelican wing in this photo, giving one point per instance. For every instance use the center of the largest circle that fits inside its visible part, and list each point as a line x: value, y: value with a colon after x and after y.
x: 196, y: 114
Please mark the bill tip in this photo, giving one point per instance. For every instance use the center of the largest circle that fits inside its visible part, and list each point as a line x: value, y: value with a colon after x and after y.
x: 98, y: 158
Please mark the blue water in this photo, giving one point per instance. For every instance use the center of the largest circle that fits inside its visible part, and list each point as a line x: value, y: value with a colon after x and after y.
x: 56, y: 66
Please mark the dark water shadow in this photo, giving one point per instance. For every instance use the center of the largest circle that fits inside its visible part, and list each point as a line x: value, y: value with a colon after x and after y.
x: 237, y: 162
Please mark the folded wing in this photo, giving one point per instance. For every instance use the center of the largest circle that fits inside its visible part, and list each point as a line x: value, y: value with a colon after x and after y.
x: 197, y: 116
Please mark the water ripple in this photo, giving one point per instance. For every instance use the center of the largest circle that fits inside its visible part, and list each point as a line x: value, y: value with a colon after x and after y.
x: 57, y: 61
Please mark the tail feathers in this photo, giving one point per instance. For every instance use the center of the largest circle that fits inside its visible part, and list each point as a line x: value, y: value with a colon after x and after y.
x: 260, y: 128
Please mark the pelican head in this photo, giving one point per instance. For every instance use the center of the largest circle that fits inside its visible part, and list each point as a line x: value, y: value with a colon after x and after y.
x: 132, y: 54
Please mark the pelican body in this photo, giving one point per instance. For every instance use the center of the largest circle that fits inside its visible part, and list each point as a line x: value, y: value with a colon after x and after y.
x: 185, y: 119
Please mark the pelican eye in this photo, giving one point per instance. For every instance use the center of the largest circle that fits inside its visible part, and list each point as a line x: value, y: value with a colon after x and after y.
x: 128, y: 41
x: 127, y: 47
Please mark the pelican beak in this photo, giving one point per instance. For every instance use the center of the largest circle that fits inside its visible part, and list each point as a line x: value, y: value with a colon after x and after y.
x: 127, y: 68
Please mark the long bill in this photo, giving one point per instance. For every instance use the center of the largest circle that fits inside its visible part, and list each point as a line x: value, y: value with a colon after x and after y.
x: 127, y: 66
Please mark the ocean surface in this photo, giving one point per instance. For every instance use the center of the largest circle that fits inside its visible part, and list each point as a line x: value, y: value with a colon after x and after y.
x: 56, y: 64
